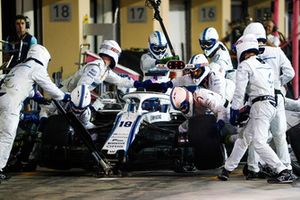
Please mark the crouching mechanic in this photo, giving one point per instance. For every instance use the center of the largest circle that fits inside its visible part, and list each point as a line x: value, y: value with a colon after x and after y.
x: 80, y: 105
x: 95, y: 72
x: 196, y: 104
x: 255, y: 78
x: 16, y: 87
x: 152, y: 62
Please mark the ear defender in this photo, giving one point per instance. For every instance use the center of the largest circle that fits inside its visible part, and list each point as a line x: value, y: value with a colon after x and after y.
x: 27, y: 22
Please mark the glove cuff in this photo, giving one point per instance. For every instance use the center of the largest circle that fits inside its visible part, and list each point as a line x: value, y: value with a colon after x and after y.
x: 67, y: 97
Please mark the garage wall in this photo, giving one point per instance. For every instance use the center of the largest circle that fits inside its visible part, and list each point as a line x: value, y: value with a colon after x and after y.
x: 63, y: 38
x: 209, y: 13
x: 134, y: 34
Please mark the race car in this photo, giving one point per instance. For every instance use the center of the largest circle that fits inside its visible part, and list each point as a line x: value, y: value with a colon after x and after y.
x: 140, y: 135
x: 145, y: 137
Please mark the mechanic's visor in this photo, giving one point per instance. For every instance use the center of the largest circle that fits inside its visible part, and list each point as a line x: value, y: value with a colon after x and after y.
x: 197, y: 71
x: 76, y: 109
x: 207, y: 44
x: 184, y: 107
x: 158, y: 49
x: 233, y: 49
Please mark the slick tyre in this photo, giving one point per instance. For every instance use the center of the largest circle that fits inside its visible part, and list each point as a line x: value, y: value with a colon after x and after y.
x: 206, y: 142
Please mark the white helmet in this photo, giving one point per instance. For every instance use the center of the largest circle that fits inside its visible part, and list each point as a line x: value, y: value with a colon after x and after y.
x: 256, y: 29
x: 40, y: 54
x: 246, y: 43
x: 80, y: 98
x: 112, y: 49
x: 201, y: 69
x: 182, y: 99
x: 157, y: 44
x: 209, y: 40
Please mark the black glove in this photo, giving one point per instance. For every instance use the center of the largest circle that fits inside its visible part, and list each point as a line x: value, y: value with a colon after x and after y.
x: 42, y: 100
x: 234, y: 115
x: 159, y: 87
x: 140, y: 84
x: 38, y: 97
x: 244, y: 114
x: 237, y: 117
x: 165, y: 86
x: 219, y: 125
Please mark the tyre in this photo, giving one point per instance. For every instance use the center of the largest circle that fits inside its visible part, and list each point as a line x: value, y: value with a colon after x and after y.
x: 296, y: 167
x: 206, y: 142
x: 293, y: 135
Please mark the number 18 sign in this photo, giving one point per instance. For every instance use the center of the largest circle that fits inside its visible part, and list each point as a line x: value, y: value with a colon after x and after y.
x: 60, y: 12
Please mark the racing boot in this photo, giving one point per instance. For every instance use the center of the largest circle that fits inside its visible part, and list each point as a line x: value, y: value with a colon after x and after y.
x: 283, y: 177
x: 293, y: 175
x: 4, y: 176
x: 268, y: 171
x: 251, y: 175
x: 224, y: 176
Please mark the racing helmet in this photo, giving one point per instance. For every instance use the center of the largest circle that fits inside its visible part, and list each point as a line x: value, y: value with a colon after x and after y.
x: 209, y: 40
x: 157, y: 44
x: 111, y: 49
x: 200, y: 69
x: 80, y: 98
x: 256, y: 29
x: 245, y: 44
x: 182, y: 100
x: 39, y: 53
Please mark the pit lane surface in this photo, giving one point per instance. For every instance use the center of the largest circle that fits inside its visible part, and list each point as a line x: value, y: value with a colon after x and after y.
x: 155, y: 185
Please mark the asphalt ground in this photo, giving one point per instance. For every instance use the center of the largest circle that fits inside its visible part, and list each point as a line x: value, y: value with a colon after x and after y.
x: 147, y: 185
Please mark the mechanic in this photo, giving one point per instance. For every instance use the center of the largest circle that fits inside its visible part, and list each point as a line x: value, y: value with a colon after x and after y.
x: 200, y: 75
x: 152, y: 62
x: 16, y: 87
x: 283, y: 73
x: 79, y: 104
x: 217, y: 52
x: 197, y: 103
x: 18, y: 43
x: 255, y: 78
x: 95, y: 72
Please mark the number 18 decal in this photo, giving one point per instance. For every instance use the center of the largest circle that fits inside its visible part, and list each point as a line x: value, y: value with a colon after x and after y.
x: 125, y: 124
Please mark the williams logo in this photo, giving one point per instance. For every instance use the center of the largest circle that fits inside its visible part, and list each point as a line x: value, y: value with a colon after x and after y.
x: 155, y: 117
